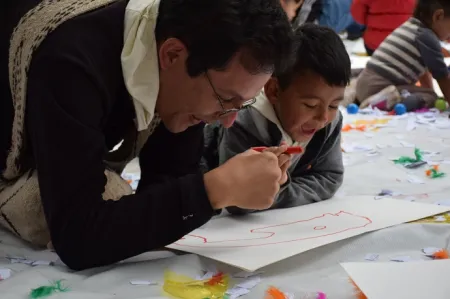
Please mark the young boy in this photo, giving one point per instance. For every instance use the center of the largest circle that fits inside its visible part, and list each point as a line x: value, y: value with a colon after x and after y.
x: 410, y: 54
x: 298, y: 107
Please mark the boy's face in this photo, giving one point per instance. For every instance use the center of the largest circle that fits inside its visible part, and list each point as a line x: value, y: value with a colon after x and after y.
x: 441, y: 24
x: 306, y: 106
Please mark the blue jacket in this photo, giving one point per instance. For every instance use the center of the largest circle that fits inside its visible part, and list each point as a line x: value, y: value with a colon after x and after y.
x: 336, y: 14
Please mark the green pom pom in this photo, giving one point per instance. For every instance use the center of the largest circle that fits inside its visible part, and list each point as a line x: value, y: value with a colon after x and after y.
x: 45, y: 291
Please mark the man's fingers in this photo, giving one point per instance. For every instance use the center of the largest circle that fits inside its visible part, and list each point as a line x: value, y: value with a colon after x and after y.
x: 277, y: 150
x: 283, y: 159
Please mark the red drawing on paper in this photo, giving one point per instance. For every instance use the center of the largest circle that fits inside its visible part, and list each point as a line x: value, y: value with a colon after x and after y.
x: 328, y: 224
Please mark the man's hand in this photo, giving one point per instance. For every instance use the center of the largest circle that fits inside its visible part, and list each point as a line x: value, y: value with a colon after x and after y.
x: 284, y: 160
x: 249, y: 180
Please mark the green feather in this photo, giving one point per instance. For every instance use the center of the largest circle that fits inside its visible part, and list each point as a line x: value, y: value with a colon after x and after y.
x: 45, y: 291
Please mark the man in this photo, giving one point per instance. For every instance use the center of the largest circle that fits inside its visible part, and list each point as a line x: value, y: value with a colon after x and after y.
x: 80, y: 76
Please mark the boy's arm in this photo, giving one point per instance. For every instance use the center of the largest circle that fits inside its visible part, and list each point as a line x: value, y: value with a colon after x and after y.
x: 321, y: 181
x: 359, y: 11
x: 430, y: 51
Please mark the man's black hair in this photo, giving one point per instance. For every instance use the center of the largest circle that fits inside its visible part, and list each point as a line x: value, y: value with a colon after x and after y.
x: 215, y: 30
x: 425, y: 9
x: 320, y: 50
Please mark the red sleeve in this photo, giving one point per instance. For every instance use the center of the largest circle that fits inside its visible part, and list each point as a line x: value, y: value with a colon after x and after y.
x: 359, y: 11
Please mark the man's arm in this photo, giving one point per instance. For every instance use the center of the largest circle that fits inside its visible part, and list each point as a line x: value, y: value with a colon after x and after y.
x: 430, y: 51
x: 64, y: 122
x: 359, y: 11
x: 321, y: 181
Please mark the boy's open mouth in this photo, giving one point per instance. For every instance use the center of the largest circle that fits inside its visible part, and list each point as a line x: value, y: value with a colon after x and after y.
x: 308, y: 132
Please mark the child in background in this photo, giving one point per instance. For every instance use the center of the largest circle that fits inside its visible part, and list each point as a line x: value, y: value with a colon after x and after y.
x: 299, y: 107
x: 381, y: 18
x: 308, y: 12
x: 336, y: 14
x: 411, y: 53
x: 291, y: 7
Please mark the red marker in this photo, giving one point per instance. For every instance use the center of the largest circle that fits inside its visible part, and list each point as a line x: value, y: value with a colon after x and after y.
x: 292, y: 150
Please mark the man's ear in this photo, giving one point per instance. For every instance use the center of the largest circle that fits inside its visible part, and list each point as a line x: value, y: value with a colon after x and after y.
x: 170, y: 52
x: 272, y: 90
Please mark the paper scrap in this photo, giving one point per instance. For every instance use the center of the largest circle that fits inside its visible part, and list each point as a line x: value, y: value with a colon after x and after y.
x: 236, y: 292
x: 371, y: 257
x: 20, y: 260
x: 440, y: 219
x: 250, y: 282
x: 401, y: 259
x: 429, y: 251
x: 414, y: 180
x: 41, y: 263
x: 5, y: 273
x: 137, y: 282
x: 354, y: 147
x: 372, y: 153
x: 245, y: 274
x: 407, y: 144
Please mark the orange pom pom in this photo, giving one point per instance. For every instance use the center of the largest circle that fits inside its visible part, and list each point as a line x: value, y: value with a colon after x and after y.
x: 274, y: 293
x: 441, y: 255
x: 359, y: 294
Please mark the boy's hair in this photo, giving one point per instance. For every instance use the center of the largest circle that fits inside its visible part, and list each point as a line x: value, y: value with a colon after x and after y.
x: 425, y: 9
x: 320, y: 50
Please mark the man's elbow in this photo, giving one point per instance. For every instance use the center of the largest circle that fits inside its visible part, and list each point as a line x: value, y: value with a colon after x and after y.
x: 73, y: 252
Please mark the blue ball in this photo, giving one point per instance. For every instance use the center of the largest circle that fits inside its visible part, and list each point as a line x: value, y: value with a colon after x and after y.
x: 352, y: 109
x: 400, y: 109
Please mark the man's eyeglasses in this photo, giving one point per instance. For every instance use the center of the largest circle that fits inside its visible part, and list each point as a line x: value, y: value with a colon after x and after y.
x: 221, y: 100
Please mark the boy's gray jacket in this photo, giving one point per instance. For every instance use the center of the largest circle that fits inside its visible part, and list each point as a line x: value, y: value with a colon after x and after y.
x: 314, y: 177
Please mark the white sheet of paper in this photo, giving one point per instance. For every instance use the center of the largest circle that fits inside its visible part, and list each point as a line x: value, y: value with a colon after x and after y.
x: 413, y: 280
x: 253, y: 241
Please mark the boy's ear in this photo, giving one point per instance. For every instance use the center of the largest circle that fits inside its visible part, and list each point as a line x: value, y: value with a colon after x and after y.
x: 438, y: 15
x: 272, y: 90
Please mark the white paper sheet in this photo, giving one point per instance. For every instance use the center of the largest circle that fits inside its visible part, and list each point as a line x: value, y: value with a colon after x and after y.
x: 253, y: 241
x: 412, y: 280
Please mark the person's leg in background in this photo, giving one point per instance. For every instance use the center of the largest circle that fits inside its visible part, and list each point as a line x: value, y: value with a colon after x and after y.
x: 368, y: 50
x: 355, y: 31
x: 416, y: 97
